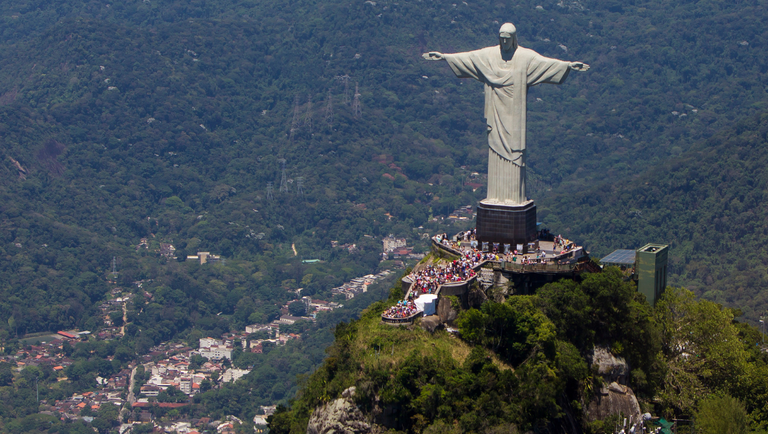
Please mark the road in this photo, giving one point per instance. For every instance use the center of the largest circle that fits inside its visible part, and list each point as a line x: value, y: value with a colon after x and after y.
x: 131, y: 397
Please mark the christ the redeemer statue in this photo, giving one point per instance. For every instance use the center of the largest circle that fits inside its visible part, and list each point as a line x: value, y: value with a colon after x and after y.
x: 507, y: 70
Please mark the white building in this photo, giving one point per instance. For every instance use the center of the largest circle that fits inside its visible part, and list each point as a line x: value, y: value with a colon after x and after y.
x: 391, y: 243
x: 216, y: 352
x: 185, y: 385
x: 233, y: 374
x: 209, y: 342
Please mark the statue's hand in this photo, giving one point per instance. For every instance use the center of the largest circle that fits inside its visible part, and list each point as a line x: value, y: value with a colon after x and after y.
x: 433, y: 55
x: 579, y: 66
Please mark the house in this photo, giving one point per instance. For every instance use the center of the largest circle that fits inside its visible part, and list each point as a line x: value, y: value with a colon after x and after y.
x: 217, y: 352
x: 391, y: 243
x: 167, y: 250
x: 232, y: 374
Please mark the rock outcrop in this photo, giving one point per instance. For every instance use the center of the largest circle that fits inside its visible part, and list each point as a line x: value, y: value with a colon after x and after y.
x: 616, y: 397
x: 476, y: 298
x: 340, y: 416
x: 446, y: 312
x: 613, y: 399
x: 610, y: 367
x: 431, y: 323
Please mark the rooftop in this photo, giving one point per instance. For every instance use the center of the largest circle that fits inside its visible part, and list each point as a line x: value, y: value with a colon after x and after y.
x: 620, y: 257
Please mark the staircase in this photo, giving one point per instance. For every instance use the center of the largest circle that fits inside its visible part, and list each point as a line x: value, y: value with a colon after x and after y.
x: 486, y: 278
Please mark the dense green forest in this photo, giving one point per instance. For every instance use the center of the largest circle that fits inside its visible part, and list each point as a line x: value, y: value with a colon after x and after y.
x: 167, y: 120
x: 707, y: 203
x: 521, y: 365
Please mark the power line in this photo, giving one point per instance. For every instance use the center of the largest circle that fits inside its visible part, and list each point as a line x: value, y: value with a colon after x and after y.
x: 345, y: 79
x: 329, y: 110
x: 308, y: 116
x: 283, y: 177
x: 356, y: 110
x: 300, y: 186
x: 296, y: 117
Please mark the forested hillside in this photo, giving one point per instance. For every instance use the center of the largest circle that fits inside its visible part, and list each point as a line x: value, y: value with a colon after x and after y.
x: 707, y: 204
x: 524, y: 365
x: 169, y: 120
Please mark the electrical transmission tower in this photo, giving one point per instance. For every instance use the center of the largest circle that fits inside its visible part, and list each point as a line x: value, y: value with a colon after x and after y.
x: 283, y: 178
x: 356, y: 110
x: 329, y: 110
x: 296, y: 117
x: 300, y: 186
x: 269, y: 191
x: 345, y: 79
x: 114, y: 268
x: 308, y: 116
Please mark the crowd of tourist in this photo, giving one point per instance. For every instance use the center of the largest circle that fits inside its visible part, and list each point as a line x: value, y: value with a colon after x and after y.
x: 429, y: 278
x: 466, y: 242
x: 403, y: 309
x: 563, y: 244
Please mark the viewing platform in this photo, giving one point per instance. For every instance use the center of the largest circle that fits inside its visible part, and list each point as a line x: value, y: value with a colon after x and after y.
x: 545, y: 261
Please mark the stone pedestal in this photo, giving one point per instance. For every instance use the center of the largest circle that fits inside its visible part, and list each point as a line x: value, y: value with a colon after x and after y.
x: 506, y: 224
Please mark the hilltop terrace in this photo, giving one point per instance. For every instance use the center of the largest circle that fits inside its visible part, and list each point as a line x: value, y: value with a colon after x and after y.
x: 559, y: 256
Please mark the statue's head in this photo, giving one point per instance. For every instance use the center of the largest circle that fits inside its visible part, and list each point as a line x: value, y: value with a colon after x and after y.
x: 508, y: 37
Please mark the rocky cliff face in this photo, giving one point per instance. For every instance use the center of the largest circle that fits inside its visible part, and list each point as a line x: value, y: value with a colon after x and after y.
x: 614, y: 397
x: 446, y: 312
x: 340, y: 416
x: 610, y: 367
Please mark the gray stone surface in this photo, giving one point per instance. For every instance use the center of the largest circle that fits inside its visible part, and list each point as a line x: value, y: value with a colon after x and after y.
x: 610, y: 367
x: 613, y: 399
x: 340, y: 416
x: 476, y: 298
x: 431, y: 323
x: 446, y: 312
x: 507, y: 70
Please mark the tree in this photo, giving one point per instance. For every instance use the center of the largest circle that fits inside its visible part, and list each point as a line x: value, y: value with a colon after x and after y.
x: 196, y: 361
x: 297, y: 308
x: 722, y: 415
x: 701, y: 347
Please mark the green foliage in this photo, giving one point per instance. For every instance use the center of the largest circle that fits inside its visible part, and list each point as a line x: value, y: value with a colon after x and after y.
x: 513, y: 328
x: 165, y: 121
x: 705, y: 203
x: 606, y: 310
x: 679, y: 351
x: 722, y: 415
x: 702, y: 349
x: 455, y: 302
x: 172, y: 394
x: 297, y: 308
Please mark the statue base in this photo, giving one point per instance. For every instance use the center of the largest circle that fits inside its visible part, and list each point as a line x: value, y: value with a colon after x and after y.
x: 514, y: 225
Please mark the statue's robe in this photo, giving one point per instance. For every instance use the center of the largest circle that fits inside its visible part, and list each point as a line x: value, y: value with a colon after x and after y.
x: 506, y: 89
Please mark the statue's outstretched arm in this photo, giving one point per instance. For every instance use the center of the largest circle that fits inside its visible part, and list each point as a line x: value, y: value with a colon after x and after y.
x: 433, y: 55
x: 579, y: 66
